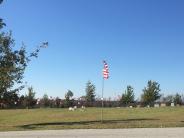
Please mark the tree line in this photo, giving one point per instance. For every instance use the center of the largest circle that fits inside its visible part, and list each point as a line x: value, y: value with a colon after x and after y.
x: 13, y: 62
x: 150, y: 95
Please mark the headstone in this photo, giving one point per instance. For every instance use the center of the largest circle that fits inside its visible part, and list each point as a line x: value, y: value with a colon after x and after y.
x: 163, y: 105
x: 178, y: 105
x: 138, y: 106
x: 71, y: 109
x: 83, y: 107
x: 156, y: 105
x: 172, y: 105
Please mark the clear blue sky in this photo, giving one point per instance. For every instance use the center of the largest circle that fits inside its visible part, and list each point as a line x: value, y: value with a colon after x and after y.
x: 140, y: 40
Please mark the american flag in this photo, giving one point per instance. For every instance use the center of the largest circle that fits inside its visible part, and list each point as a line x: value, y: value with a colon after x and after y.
x: 105, y: 70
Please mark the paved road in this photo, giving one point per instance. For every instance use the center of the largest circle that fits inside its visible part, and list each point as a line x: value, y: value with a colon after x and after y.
x: 99, y: 133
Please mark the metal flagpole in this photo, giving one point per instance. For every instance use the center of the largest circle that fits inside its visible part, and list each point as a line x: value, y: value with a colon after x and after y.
x: 102, y: 100
x: 105, y: 76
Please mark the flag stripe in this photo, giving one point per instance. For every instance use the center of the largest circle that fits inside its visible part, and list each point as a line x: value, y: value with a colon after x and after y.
x: 105, y: 70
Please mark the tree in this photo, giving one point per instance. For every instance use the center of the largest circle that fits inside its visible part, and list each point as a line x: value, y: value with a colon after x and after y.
x: 13, y: 63
x: 90, y: 93
x: 57, y: 102
x: 178, y: 99
x: 168, y: 100
x: 1, y: 23
x: 45, y: 102
x: 151, y: 93
x: 128, y: 96
x: 30, y: 100
x: 68, y: 98
x: 182, y: 98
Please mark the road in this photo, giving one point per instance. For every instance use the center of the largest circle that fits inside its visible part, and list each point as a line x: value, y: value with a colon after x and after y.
x: 99, y: 133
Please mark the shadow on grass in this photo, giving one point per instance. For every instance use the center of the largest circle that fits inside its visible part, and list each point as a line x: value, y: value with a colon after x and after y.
x: 33, y: 126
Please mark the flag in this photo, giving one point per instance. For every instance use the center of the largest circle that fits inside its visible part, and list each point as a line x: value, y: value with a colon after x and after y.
x: 105, y: 70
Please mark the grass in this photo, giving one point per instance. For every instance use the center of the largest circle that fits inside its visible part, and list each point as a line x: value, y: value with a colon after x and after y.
x: 44, y: 119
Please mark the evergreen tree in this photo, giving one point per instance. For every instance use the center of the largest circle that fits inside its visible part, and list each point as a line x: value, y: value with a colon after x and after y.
x: 177, y: 99
x: 45, y: 102
x: 57, y: 102
x: 151, y: 93
x: 68, y: 98
x: 30, y: 98
x: 128, y: 96
x: 90, y: 93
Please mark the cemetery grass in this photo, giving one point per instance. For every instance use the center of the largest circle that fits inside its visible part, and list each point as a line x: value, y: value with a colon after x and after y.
x: 49, y: 118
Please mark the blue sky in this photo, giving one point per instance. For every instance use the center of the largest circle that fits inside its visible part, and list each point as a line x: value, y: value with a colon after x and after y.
x: 140, y: 40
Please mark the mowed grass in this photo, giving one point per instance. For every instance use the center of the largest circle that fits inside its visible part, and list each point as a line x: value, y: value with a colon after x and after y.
x: 42, y: 119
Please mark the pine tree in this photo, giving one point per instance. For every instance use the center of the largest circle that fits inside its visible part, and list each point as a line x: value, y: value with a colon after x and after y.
x: 151, y: 93
x: 128, y: 96
x: 90, y: 93
x: 30, y: 98
x: 68, y: 98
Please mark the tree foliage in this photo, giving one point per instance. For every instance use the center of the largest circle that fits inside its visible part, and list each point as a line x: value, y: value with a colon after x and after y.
x: 178, y: 99
x: 90, y: 93
x: 30, y: 99
x: 168, y: 100
x: 151, y: 93
x: 128, y: 96
x: 57, y: 102
x: 13, y: 63
x: 68, y: 98
x: 44, y: 101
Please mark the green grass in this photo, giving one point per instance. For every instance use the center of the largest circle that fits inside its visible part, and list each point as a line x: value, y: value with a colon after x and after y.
x: 41, y: 119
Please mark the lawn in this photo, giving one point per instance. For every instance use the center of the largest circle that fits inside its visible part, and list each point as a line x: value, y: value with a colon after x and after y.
x: 42, y: 119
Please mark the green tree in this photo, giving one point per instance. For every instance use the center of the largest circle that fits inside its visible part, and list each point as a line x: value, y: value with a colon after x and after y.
x: 68, y: 98
x: 58, y: 102
x: 30, y: 100
x: 45, y: 102
x: 13, y: 63
x: 177, y: 99
x: 151, y: 93
x: 1, y: 23
x: 128, y: 96
x: 168, y: 100
x: 90, y: 93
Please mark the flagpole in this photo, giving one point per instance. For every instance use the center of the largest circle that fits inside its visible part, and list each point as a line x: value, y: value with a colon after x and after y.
x: 105, y: 76
x: 102, y: 100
